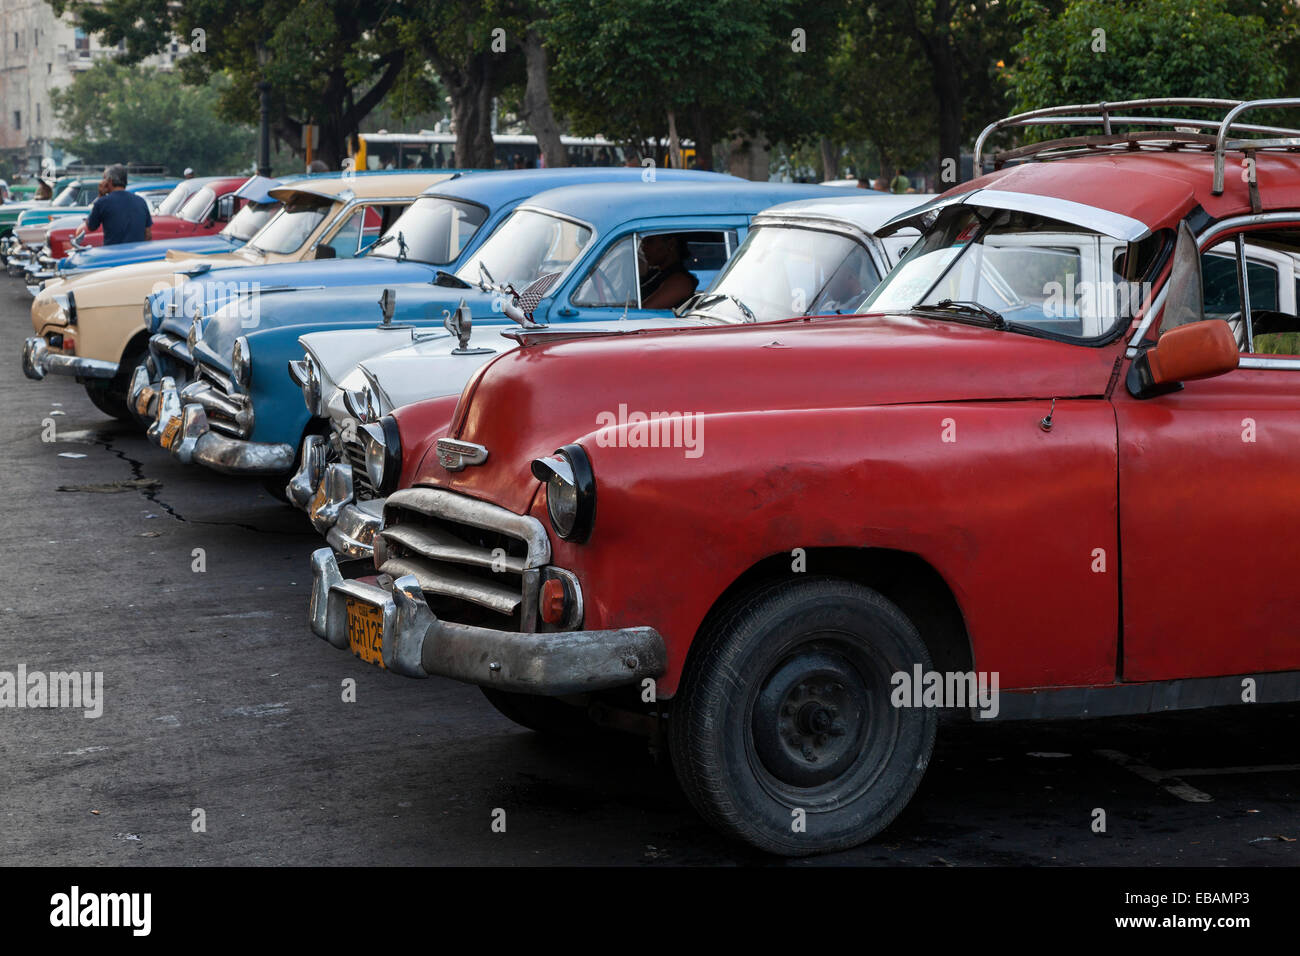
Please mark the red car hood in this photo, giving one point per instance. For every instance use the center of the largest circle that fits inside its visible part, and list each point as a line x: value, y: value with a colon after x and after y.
x: 530, y: 401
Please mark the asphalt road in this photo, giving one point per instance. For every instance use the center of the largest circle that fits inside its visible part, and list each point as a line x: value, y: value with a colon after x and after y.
x: 218, y: 698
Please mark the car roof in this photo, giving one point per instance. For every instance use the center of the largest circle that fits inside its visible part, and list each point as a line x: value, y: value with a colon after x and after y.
x: 866, y: 209
x: 1157, y: 188
x: 599, y: 203
x: 363, y: 187
x: 506, y: 186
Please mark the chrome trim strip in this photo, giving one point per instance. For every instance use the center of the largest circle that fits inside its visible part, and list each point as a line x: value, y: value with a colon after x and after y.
x: 439, y: 545
x: 440, y: 503
x: 449, y: 582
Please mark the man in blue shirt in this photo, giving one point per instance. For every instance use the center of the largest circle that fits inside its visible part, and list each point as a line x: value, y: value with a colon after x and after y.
x: 124, y: 216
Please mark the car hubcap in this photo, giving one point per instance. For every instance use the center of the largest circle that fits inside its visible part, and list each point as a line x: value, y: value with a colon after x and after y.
x: 812, y: 718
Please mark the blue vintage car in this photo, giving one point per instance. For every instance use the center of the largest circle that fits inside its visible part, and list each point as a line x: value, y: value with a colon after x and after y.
x: 569, y: 254
x: 259, y: 207
x: 449, y: 221
x: 445, y: 224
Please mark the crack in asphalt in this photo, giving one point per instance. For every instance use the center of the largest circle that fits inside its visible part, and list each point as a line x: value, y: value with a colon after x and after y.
x: 149, y: 488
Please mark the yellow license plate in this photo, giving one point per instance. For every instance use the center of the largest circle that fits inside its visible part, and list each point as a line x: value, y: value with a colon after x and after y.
x: 366, y: 631
x: 170, y: 431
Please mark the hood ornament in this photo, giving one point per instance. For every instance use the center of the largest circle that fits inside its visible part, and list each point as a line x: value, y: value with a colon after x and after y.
x: 387, y: 306
x: 461, y: 324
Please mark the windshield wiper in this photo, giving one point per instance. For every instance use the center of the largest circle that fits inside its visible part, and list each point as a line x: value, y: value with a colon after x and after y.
x: 384, y: 240
x: 994, y: 317
x: 700, y: 299
x: 749, y: 314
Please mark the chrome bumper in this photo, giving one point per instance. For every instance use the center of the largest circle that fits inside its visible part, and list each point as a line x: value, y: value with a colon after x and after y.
x: 38, y: 360
x: 415, y: 643
x: 184, y: 431
x: 325, y: 492
x: 143, y: 395
x: 302, y: 486
x: 353, y: 534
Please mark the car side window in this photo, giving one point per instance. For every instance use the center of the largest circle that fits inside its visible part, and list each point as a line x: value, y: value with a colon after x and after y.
x: 1272, y: 267
x: 849, y: 285
x: 371, y: 227
x: 612, y: 282
x: 345, y: 240
x: 225, y: 207
x: 635, y: 269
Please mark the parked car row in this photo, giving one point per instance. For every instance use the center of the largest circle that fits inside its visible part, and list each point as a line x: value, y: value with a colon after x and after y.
x: 772, y: 475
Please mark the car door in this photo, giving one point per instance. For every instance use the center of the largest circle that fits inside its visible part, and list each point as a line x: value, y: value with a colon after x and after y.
x: 1209, y: 490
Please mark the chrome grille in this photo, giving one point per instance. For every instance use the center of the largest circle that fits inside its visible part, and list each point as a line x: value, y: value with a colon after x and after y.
x: 354, y: 454
x: 474, y: 561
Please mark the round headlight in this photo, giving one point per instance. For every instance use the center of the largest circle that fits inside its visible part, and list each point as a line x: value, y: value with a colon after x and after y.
x: 570, y: 492
x: 241, y: 362
x: 383, y: 445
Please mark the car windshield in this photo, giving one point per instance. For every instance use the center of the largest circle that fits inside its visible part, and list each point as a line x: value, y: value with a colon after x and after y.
x: 527, y: 245
x: 293, y: 225
x: 197, y: 206
x: 176, y: 198
x: 996, y: 266
x: 433, y: 230
x: 780, y: 271
x: 66, y: 198
x: 249, y: 220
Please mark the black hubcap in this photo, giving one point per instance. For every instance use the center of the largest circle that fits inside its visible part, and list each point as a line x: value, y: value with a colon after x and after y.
x: 811, y: 718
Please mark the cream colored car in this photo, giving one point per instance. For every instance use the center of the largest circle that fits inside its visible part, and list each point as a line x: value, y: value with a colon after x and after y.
x: 92, y: 327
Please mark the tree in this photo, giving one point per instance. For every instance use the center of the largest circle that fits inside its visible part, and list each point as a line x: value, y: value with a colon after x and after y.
x: 882, y: 87
x: 1095, y: 51
x: 119, y: 113
x: 960, y: 44
x: 328, y: 61
x: 638, y: 70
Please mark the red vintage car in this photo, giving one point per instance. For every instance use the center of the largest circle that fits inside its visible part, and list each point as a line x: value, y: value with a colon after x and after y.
x: 1050, y: 472
x: 206, y: 204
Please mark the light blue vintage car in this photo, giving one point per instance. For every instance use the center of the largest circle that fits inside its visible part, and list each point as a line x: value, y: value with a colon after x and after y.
x: 565, y: 255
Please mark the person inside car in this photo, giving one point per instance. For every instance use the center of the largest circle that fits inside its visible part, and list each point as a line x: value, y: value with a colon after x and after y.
x: 665, y: 281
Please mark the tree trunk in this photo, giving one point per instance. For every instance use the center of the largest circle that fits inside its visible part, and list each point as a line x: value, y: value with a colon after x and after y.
x: 703, y: 140
x: 674, y: 144
x: 830, y: 159
x: 748, y: 159
x: 536, y: 111
x: 470, y: 87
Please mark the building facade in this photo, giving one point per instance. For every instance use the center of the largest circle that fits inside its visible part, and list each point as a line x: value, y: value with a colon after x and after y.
x: 40, y: 53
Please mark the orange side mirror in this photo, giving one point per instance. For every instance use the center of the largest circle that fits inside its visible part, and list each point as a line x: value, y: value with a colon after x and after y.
x: 1197, y: 350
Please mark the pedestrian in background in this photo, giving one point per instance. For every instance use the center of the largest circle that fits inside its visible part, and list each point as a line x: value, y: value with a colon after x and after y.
x: 124, y: 216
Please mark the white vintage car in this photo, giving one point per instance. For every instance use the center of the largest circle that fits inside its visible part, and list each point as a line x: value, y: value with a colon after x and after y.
x: 810, y: 257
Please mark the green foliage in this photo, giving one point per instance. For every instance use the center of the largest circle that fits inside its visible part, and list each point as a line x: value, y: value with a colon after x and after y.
x: 721, y: 66
x: 117, y: 112
x: 328, y: 61
x: 1152, y: 48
